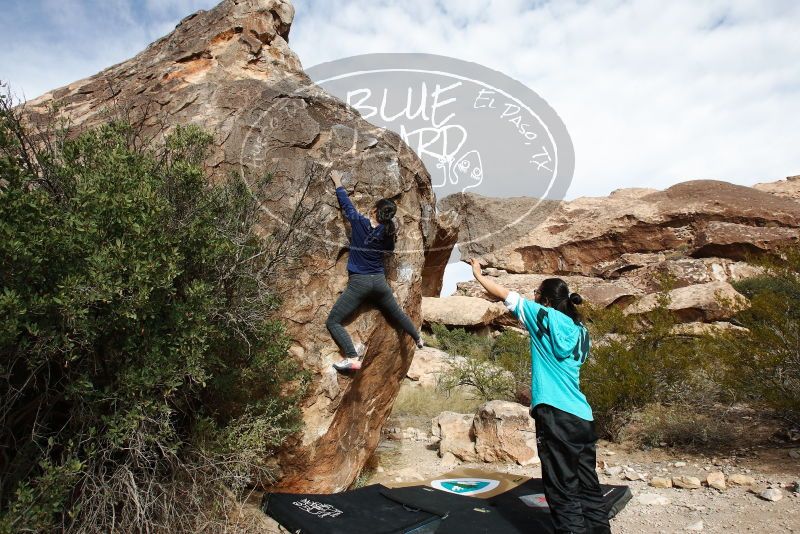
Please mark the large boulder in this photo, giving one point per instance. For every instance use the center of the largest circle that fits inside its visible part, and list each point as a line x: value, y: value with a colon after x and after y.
x: 460, y: 311
x: 698, y: 329
x: 638, y: 277
x: 714, y: 301
x: 499, y: 432
x: 429, y: 364
x: 455, y: 435
x: 681, y: 272
x: 689, y: 218
x: 505, y: 432
x: 230, y: 71
x: 740, y: 241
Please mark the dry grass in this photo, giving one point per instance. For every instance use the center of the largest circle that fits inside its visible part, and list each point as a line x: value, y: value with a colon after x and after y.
x: 416, y: 406
x: 429, y: 402
x: 681, y: 426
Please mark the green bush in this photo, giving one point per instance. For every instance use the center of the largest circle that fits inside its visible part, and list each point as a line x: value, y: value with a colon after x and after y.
x: 636, y: 361
x: 141, y: 374
x: 459, y: 342
x: 763, y: 365
x: 481, y: 375
x: 512, y: 351
x: 485, y: 360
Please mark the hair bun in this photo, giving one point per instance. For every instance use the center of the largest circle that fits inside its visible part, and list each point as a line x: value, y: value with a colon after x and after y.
x: 575, y: 298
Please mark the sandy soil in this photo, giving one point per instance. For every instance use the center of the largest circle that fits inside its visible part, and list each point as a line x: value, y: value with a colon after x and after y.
x: 737, y: 509
x: 756, y: 453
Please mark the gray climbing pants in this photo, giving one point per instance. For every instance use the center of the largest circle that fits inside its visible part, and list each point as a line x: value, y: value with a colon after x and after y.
x: 365, y: 288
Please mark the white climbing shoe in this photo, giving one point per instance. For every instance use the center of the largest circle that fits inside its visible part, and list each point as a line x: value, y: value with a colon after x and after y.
x: 348, y: 364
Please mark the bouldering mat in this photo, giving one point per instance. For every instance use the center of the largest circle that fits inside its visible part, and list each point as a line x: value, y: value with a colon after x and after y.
x: 454, y: 505
x: 365, y: 510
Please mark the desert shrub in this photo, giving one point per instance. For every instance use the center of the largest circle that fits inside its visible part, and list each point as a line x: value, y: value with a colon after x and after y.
x: 142, y: 374
x: 481, y: 376
x: 459, y: 342
x: 763, y: 365
x: 679, y: 425
x: 637, y: 361
x: 512, y: 351
x: 488, y: 367
x: 779, y: 287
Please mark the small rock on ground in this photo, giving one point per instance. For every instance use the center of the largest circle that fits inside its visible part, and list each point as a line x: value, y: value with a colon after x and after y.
x: 661, y: 482
x: 771, y: 494
x: 741, y: 480
x: 653, y: 499
x: 716, y: 480
x: 686, y: 482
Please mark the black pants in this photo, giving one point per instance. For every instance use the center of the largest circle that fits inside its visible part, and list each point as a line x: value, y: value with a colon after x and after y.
x: 362, y: 288
x: 568, y: 451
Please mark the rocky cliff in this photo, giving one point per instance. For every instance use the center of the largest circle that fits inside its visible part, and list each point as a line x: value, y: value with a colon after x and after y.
x: 230, y: 71
x: 617, y: 249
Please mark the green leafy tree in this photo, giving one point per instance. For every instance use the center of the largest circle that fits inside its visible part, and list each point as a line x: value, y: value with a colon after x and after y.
x: 512, y: 351
x: 142, y: 373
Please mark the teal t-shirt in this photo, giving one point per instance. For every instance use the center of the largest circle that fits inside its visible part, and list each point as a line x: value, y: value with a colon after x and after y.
x: 558, y: 349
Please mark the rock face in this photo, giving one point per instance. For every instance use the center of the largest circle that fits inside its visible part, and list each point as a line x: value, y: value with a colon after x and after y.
x: 500, y: 431
x: 460, y: 311
x: 429, y: 364
x: 789, y: 188
x: 697, y: 219
x: 595, y: 290
x: 455, y: 435
x: 230, y: 71
x: 505, y: 432
x: 714, y: 301
x: 621, y: 250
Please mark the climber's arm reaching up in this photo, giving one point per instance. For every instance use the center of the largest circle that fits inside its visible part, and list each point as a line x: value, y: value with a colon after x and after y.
x: 349, y: 210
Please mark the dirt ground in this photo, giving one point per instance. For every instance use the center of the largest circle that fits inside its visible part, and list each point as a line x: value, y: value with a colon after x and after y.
x: 773, y: 462
x: 737, y: 509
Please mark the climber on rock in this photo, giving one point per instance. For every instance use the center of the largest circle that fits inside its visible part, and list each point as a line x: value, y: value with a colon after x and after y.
x: 371, y: 239
x: 565, y: 431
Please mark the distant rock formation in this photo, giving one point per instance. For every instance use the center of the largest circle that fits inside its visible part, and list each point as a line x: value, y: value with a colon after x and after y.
x: 230, y: 70
x: 698, y: 219
x: 618, y: 250
x: 790, y: 187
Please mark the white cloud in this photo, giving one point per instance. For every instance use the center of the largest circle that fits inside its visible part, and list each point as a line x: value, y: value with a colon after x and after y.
x: 652, y: 92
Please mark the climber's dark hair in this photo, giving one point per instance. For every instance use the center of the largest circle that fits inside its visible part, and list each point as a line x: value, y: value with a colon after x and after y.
x: 385, y: 211
x: 555, y: 293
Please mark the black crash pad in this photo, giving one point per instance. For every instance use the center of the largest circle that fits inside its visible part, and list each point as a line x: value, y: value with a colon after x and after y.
x: 422, y: 510
x: 366, y: 510
x: 520, y: 510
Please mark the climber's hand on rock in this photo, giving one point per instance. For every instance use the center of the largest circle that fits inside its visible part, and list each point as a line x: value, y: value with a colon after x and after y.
x: 336, y: 176
x: 476, y: 268
x: 491, y: 287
